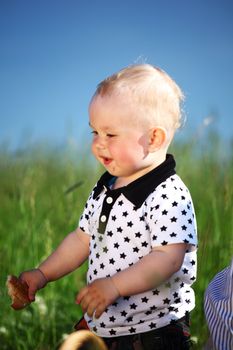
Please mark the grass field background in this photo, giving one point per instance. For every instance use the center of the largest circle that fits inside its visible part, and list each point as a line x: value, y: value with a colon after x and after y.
x: 42, y: 193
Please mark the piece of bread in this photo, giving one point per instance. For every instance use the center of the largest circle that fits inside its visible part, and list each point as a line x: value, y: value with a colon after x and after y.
x: 18, y: 291
x: 83, y: 340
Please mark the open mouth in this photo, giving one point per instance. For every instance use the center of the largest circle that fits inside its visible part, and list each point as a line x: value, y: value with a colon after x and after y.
x: 106, y: 160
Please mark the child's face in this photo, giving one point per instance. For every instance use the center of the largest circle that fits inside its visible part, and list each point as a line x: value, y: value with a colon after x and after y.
x: 120, y: 141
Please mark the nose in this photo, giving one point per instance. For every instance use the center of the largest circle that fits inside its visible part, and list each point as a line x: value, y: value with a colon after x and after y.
x: 99, y: 142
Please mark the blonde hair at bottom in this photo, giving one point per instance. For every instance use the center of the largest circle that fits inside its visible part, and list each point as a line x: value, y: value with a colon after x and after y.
x: 83, y: 340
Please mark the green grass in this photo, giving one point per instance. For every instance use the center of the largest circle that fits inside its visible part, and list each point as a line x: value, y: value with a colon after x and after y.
x: 37, y: 211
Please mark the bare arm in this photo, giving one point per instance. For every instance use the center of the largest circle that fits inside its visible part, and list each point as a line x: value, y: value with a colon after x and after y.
x: 152, y: 270
x: 69, y: 255
x: 148, y: 273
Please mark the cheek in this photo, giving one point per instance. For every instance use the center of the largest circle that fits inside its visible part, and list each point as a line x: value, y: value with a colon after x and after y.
x: 127, y: 152
x: 93, y: 147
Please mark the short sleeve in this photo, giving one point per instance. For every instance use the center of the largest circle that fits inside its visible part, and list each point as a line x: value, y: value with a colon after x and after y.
x: 170, y: 215
x: 88, y: 211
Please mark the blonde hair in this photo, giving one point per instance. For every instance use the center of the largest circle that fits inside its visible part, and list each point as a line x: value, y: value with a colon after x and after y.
x: 157, y: 95
x: 83, y: 340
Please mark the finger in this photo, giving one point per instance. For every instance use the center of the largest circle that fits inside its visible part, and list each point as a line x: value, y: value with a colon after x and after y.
x: 86, y: 301
x: 81, y: 295
x: 31, y: 293
x: 100, y: 309
x: 93, y: 304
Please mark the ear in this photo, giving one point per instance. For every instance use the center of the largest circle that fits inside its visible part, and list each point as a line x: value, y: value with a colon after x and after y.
x: 157, y: 138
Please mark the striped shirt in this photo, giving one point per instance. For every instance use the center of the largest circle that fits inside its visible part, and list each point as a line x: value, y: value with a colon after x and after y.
x: 218, y: 306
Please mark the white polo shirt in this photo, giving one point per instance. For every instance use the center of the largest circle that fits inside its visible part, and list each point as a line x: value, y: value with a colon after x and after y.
x: 124, y: 225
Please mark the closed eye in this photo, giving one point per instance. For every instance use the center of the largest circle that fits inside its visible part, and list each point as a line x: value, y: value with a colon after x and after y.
x: 111, y: 135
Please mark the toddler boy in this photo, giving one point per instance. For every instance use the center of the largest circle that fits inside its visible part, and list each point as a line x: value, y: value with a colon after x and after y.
x: 138, y: 227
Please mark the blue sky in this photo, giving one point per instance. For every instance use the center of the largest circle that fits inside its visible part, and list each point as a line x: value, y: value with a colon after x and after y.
x: 53, y: 53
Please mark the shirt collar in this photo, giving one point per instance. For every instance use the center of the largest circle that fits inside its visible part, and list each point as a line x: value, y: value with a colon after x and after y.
x: 137, y: 191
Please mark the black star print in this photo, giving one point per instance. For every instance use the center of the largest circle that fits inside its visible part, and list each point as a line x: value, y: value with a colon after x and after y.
x: 126, y: 239
x: 144, y: 244
x: 138, y: 234
x: 123, y: 313
x: 190, y: 221
x: 185, y: 271
x: 114, y: 217
x: 175, y: 295
x: 192, y: 262
x: 125, y: 213
x: 142, y: 218
x: 173, y: 219
x: 145, y: 300
x: 161, y: 314
x: 156, y: 292
x: 163, y: 228
x: 174, y: 204
x: 173, y: 234
x: 148, y: 313
x: 177, y: 301
x: 153, y: 308
x: 164, y: 243
x: 183, y: 198
x: 190, y: 235
x: 130, y: 224
x: 184, y: 212
x: 184, y: 228
x: 105, y: 249
x: 133, y: 306
x: 154, y: 237
x: 132, y: 330
x: 112, y: 332
x: 187, y: 301
x: 119, y: 229
x: 129, y: 319
x: 95, y: 272
x: 86, y: 216
x: 97, y: 256
x: 102, y: 266
x: 116, y: 245
x: 164, y: 196
x: 111, y: 261
x: 112, y: 319
x: 102, y: 325
x: 123, y: 256
x: 164, y: 212
x: 166, y: 301
x: 120, y: 203
x: 109, y: 233
x: 152, y: 325
x: 135, y: 250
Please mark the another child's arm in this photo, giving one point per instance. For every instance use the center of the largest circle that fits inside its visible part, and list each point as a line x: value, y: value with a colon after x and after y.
x: 69, y: 255
x: 148, y: 273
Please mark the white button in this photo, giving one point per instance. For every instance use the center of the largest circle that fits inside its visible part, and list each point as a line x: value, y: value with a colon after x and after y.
x: 109, y: 200
x: 103, y: 218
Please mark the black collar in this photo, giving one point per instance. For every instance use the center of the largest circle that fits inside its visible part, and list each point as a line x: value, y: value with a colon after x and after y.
x: 138, y: 190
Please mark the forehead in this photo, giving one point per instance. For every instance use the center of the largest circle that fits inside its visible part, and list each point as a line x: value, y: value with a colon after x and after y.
x: 111, y: 108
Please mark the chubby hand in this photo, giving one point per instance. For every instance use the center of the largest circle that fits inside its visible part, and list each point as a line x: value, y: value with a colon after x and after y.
x: 35, y: 280
x: 97, y: 296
